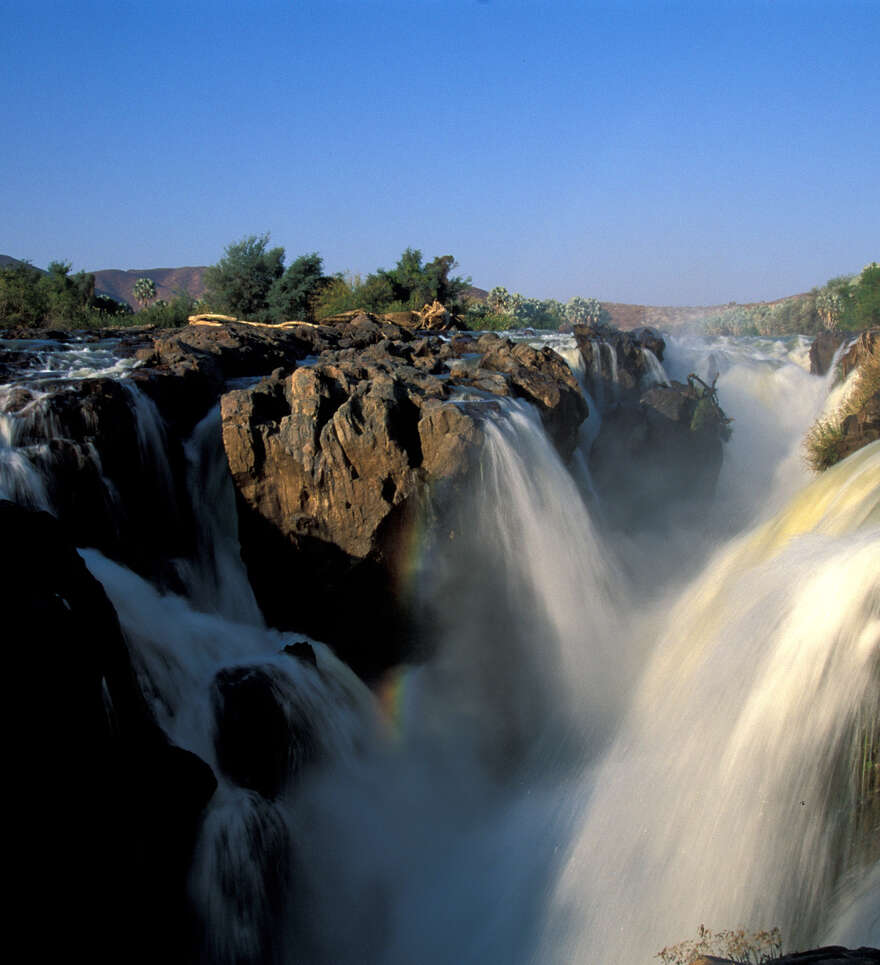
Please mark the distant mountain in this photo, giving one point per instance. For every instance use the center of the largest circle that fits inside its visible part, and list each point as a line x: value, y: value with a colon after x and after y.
x: 118, y: 284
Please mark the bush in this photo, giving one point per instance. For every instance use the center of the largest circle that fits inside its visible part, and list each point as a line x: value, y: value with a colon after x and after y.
x: 162, y: 314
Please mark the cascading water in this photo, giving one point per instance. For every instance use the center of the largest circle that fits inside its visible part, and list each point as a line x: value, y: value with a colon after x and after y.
x: 583, y: 770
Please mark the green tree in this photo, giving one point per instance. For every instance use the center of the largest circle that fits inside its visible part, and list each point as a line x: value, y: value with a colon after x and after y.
x: 866, y: 298
x: 585, y: 311
x: 22, y: 301
x: 239, y: 284
x: 291, y: 296
x: 144, y: 291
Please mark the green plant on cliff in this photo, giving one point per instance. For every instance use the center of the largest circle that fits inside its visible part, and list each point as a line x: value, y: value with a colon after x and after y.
x: 823, y: 445
x: 737, y: 945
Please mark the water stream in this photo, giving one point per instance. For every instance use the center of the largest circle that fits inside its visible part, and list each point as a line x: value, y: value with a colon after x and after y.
x: 593, y: 763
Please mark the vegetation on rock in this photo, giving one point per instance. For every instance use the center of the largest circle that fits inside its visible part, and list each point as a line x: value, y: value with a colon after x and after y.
x: 738, y: 946
x: 857, y: 420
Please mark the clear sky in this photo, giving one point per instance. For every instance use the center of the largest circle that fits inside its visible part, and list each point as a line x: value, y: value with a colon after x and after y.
x: 643, y: 151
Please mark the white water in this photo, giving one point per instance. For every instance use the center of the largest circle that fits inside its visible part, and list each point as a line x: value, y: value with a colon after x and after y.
x: 584, y: 771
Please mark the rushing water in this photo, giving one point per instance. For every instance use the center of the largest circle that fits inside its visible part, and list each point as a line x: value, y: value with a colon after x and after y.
x: 595, y: 761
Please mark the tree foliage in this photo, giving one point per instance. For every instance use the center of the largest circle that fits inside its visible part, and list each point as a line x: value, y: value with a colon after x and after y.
x: 54, y: 298
x: 144, y: 291
x: 239, y: 284
x: 409, y: 285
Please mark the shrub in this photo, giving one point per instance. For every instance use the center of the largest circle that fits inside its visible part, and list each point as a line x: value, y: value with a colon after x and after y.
x: 823, y: 443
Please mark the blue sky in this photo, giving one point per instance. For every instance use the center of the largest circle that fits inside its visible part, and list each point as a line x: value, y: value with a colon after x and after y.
x: 643, y: 151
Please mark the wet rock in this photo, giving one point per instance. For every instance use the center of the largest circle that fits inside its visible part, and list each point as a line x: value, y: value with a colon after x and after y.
x: 615, y: 361
x: 100, y: 796
x: 262, y: 737
x: 659, y: 459
x: 336, y: 463
x: 88, y: 445
x: 822, y: 351
x: 830, y: 955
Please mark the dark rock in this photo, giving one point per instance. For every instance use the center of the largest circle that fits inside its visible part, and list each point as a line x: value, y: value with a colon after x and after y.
x: 302, y: 650
x: 830, y: 955
x: 89, y: 443
x: 262, y: 736
x: 615, y: 361
x: 659, y: 459
x: 100, y: 798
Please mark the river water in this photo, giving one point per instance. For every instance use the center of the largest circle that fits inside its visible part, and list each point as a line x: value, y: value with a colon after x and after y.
x: 620, y: 736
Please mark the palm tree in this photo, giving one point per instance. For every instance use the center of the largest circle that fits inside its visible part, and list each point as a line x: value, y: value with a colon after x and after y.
x: 144, y: 291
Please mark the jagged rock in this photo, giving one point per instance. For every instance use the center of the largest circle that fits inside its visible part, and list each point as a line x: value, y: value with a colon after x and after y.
x: 334, y: 465
x: 615, y: 361
x: 822, y: 350
x: 865, y: 349
x: 539, y: 376
x: 186, y: 370
x: 100, y: 795
x: 84, y: 441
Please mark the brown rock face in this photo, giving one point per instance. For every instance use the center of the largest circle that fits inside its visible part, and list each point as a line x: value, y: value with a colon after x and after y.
x: 335, y: 463
x: 822, y: 350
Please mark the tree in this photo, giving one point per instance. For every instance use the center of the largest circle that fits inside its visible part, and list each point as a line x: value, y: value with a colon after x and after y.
x: 291, y: 295
x: 866, y: 297
x: 585, y: 311
x: 499, y: 300
x: 239, y: 284
x: 144, y: 291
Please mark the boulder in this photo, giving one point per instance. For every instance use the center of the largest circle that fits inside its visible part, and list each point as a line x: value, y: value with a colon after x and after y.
x: 262, y: 737
x: 615, y: 362
x: 106, y: 469
x: 660, y: 458
x: 100, y: 797
x: 335, y: 464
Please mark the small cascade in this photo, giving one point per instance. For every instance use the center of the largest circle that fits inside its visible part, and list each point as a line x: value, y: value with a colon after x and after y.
x: 655, y: 374
x: 612, y: 367
x: 216, y: 578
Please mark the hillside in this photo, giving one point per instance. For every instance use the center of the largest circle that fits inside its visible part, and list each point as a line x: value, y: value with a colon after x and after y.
x: 118, y: 284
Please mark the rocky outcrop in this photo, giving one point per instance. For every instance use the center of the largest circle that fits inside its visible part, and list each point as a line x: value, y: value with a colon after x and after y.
x: 335, y: 463
x: 261, y: 737
x: 616, y: 363
x: 823, y: 349
x: 857, y: 421
x: 100, y: 799
x: 659, y: 459
x: 659, y: 448
x: 100, y: 459
x: 830, y: 955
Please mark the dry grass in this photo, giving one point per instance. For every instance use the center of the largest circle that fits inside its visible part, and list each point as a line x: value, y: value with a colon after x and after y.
x: 740, y: 946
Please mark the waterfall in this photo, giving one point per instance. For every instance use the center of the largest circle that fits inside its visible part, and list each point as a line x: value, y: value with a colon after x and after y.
x: 584, y: 769
x: 656, y: 374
